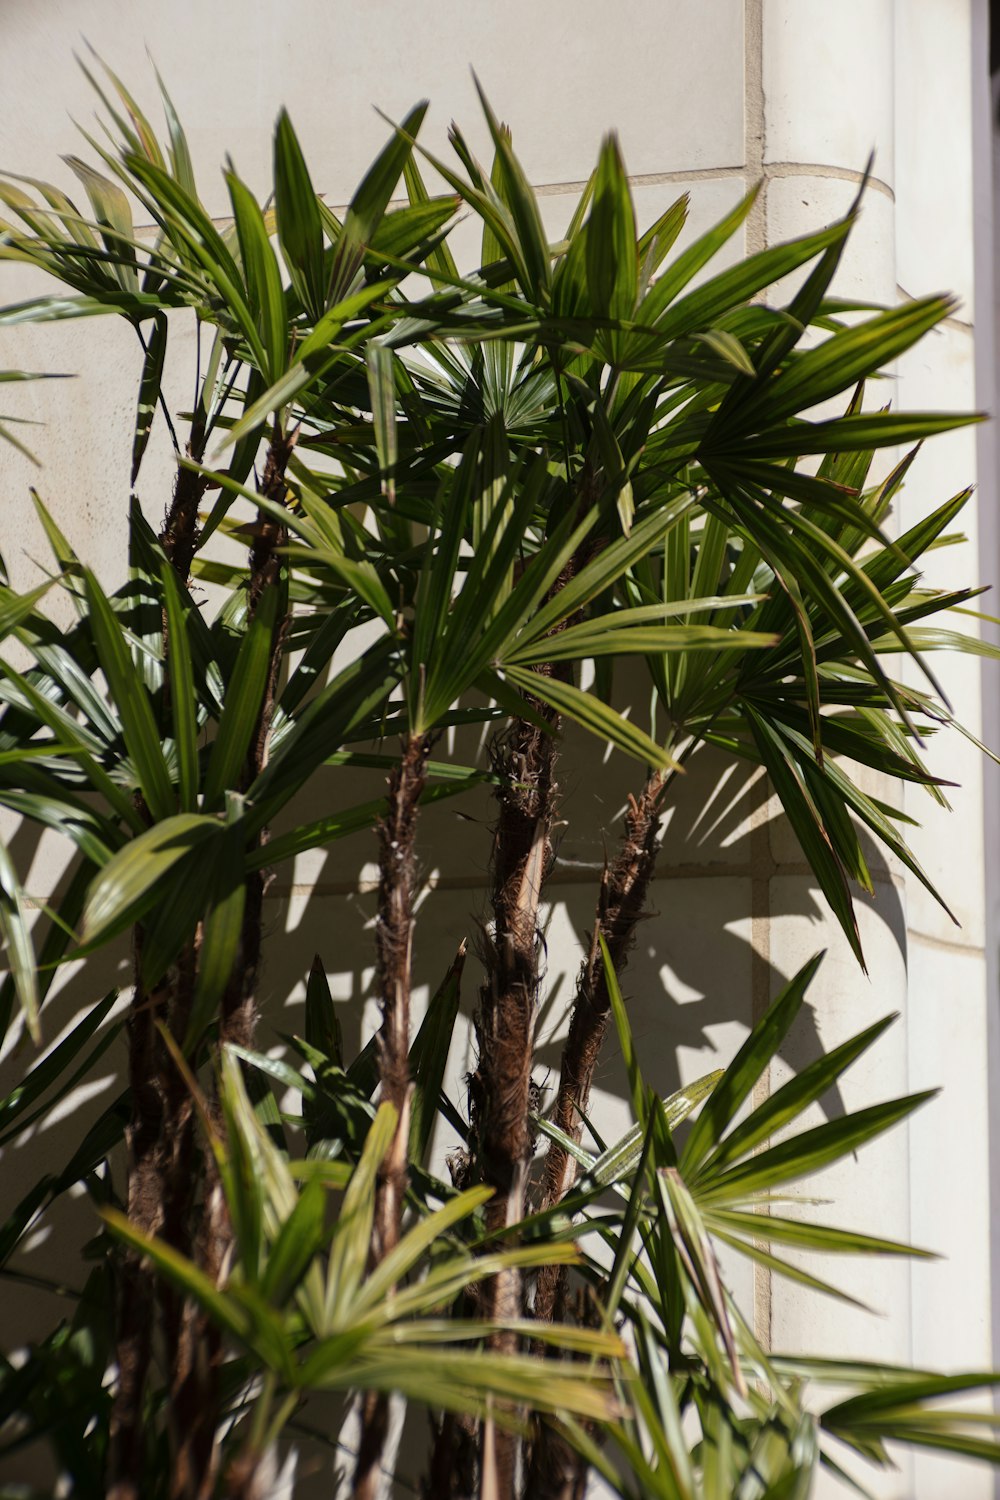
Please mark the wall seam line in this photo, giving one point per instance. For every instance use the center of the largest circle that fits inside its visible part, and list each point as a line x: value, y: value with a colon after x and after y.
x: 753, y: 103
x: 755, y: 167
x: 946, y: 945
x: 760, y: 839
x: 585, y: 877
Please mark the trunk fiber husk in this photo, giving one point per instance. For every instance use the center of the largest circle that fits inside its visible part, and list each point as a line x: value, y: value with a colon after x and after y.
x: 164, y: 1180
x: 394, y: 948
x: 556, y: 1471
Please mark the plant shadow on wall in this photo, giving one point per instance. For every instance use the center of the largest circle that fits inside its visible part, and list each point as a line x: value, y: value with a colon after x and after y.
x: 689, y: 970
x: 438, y: 510
x: 713, y: 965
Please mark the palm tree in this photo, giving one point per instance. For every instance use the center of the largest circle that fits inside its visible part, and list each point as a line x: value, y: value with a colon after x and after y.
x: 455, y: 489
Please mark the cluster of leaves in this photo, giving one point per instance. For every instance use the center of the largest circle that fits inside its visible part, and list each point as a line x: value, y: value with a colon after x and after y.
x: 580, y: 452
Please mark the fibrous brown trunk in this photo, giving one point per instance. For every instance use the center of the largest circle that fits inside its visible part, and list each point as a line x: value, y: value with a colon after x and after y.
x: 152, y: 1136
x: 556, y: 1470
x: 394, y: 943
x: 192, y: 1348
x: 524, y: 761
x: 179, y: 536
x: 164, y: 1180
x: 238, y: 1004
x: 522, y: 854
x: 144, y: 1203
x: 199, y: 1354
x: 452, y: 1474
x: 622, y: 899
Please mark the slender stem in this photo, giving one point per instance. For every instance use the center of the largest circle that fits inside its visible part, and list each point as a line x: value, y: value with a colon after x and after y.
x: 43, y: 1283
x: 144, y: 1199
x: 505, y: 1026
x: 281, y: 1418
x: 525, y: 764
x: 196, y: 398
x: 227, y: 391
x: 239, y: 1001
x: 179, y: 536
x: 556, y: 1471
x: 394, y: 942
x: 164, y: 408
x: 262, y: 1411
x: 452, y: 1470
x: 394, y: 938
x: 194, y: 1344
x: 500, y: 1090
x: 624, y: 889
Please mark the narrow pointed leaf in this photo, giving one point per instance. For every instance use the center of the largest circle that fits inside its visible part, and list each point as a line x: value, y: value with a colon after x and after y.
x: 736, y: 1084
x: 812, y: 1150
x: 244, y: 698
x: 429, y: 1056
x: 149, y: 391
x: 15, y: 930
x: 128, y: 882
x: 129, y: 694
x: 183, y: 696
x: 788, y: 1102
x: 589, y: 712
x: 300, y: 226
x: 222, y: 934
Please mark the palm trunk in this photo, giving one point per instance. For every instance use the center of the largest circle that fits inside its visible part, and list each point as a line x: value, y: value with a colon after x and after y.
x: 556, y: 1470
x: 522, y: 855
x: 202, y: 1344
x: 500, y: 1092
x: 179, y: 537
x: 165, y: 1173
x: 620, y: 906
x: 137, y: 1290
x: 152, y: 1137
x: 452, y: 1470
x: 394, y: 939
x: 505, y: 1026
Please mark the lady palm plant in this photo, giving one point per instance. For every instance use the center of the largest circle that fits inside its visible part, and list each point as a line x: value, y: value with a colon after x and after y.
x: 455, y: 491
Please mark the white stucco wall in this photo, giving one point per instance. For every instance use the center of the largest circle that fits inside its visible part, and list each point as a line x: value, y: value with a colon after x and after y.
x: 708, y: 96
